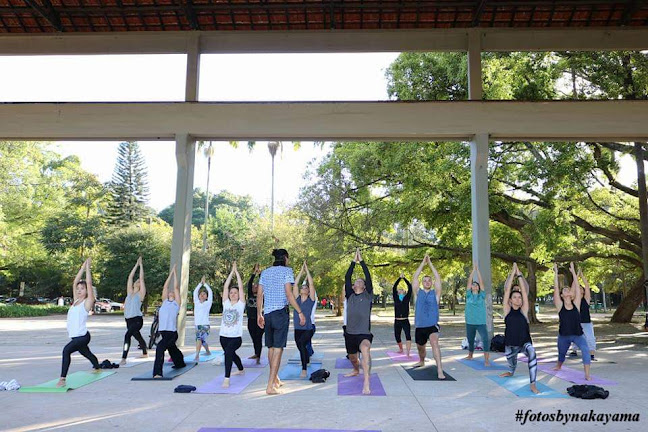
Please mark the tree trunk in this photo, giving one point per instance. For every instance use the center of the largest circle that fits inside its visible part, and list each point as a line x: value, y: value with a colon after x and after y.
x: 532, y: 268
x: 630, y: 302
x: 643, y: 214
x: 340, y: 305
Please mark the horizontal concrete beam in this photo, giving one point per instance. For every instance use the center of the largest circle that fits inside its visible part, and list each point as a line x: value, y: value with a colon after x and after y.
x: 394, y: 121
x: 322, y: 41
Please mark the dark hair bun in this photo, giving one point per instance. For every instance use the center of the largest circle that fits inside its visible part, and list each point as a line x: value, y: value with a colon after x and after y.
x: 279, y: 253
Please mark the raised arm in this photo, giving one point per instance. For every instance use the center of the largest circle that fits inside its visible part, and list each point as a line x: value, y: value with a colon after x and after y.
x: 524, y: 287
x: 311, y: 285
x: 395, y: 289
x: 480, y: 280
x: 470, y: 281
x: 437, y: 280
x: 165, y: 289
x: 196, y: 290
x: 131, y: 275
x: 90, y: 298
x: 507, y: 290
x: 348, y: 285
x: 77, y: 279
x: 288, y: 287
x: 367, y: 275
x: 251, y: 280
x: 588, y: 291
x: 557, y: 300
x: 416, y: 278
x: 239, y: 281
x: 141, y: 280
x: 576, y: 291
x: 176, y: 288
x: 295, y: 286
x: 227, y: 284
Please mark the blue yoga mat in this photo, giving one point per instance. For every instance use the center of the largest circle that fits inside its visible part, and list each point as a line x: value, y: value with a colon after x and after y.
x: 520, y: 387
x: 292, y: 371
x: 478, y: 364
x: 315, y: 358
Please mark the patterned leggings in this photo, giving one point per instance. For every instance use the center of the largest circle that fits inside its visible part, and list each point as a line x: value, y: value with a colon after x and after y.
x: 511, y: 357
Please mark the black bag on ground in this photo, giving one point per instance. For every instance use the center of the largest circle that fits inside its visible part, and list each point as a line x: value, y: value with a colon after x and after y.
x: 588, y: 392
x: 184, y: 389
x: 106, y: 364
x: 320, y: 376
x: 497, y: 343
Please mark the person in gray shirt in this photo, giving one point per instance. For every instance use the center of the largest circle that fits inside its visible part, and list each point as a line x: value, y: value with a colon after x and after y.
x: 359, y: 299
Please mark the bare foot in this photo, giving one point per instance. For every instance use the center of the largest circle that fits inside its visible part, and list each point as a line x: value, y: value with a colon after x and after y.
x: 400, y: 351
x: 61, y: 383
x: 273, y: 391
x: 441, y: 376
x: 157, y: 376
x: 96, y: 371
x: 365, y: 389
x: 226, y: 383
x: 122, y: 362
x: 278, y: 383
x: 506, y: 374
x: 239, y: 372
x: 408, y: 354
x: 556, y: 368
x: 144, y: 355
x: 486, y: 363
x: 419, y: 364
x: 302, y: 374
x: 355, y: 372
x: 207, y: 352
x: 468, y: 357
x: 534, y: 389
x: 588, y: 378
x: 197, y: 358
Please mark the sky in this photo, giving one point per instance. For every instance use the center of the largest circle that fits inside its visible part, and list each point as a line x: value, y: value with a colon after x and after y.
x: 232, y: 77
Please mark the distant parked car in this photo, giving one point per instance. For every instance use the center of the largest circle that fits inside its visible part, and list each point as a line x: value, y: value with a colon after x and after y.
x: 113, y: 304
x: 10, y: 300
x: 101, y: 305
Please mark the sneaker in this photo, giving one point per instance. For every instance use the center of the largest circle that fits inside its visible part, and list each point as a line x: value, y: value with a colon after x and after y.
x: 573, y: 354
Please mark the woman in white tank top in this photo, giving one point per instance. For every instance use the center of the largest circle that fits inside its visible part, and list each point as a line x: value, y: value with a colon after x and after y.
x: 77, y: 316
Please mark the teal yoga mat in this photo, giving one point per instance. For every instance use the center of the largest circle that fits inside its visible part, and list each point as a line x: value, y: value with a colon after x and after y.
x: 292, y: 371
x: 74, y: 381
x: 519, y: 386
x: 190, y: 358
x: 168, y: 373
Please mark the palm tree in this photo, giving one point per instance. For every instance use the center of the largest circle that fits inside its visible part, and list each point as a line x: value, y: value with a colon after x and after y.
x: 273, y: 146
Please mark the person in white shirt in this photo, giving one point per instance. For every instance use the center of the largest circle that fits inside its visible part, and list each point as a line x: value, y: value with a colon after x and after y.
x: 168, y: 316
x: 203, y: 299
x: 231, y: 330
x: 77, y: 316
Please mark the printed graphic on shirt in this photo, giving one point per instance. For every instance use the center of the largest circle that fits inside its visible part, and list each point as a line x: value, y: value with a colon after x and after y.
x: 230, y: 317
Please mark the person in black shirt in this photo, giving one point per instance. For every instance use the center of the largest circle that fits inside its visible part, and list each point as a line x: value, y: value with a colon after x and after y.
x: 401, y: 313
x: 256, y: 332
x: 517, y: 337
x: 586, y: 320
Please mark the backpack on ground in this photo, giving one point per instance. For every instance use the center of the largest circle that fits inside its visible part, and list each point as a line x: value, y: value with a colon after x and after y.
x: 497, y: 343
x: 588, y: 392
x: 320, y: 376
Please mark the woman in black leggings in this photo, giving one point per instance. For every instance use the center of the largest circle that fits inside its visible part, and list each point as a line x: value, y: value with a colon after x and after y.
x: 135, y: 293
x: 77, y: 316
x: 305, y: 298
x: 231, y: 330
x: 256, y: 332
x: 401, y: 313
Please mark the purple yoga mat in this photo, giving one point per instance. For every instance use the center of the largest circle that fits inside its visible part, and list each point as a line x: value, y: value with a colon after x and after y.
x: 343, y: 363
x: 251, y: 363
x: 238, y: 383
x: 352, y: 386
x: 205, y: 429
x: 574, y: 376
x: 402, y: 358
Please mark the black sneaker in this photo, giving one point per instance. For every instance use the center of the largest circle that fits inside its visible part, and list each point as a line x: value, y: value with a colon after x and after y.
x: 573, y: 354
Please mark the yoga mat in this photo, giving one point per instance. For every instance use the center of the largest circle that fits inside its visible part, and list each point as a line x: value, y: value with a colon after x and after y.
x: 190, y: 358
x: 352, y: 386
x: 251, y: 363
x: 238, y: 383
x: 168, y: 373
x: 574, y: 376
x: 292, y: 371
x: 315, y: 358
x: 343, y: 363
x: 137, y: 361
x: 426, y: 373
x: 523, y: 358
x: 74, y: 381
x: 207, y: 429
x: 519, y: 386
x: 478, y: 364
x: 402, y: 357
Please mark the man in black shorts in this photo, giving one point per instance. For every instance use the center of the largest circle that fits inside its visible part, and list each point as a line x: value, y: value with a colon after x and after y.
x: 359, y: 298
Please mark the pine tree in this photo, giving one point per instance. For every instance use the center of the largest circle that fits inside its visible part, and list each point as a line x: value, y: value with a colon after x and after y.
x: 128, y: 187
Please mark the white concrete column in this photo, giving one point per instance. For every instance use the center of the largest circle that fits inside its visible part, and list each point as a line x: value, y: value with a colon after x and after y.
x: 480, y: 218
x: 193, y: 69
x: 181, y: 244
x: 474, y: 65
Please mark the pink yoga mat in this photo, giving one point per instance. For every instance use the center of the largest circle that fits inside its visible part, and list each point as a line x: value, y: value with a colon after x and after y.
x: 238, y: 383
x: 251, y: 363
x: 352, y: 386
x: 402, y: 358
x: 343, y: 363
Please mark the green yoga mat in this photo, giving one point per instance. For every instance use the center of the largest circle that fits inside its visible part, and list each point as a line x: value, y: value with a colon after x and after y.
x: 74, y: 381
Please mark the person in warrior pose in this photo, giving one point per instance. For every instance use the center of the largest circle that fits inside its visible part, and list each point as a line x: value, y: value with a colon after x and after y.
x: 359, y: 299
x: 77, y: 316
x: 476, y: 314
x: 168, y: 317
x: 231, y: 330
x: 203, y: 299
x: 306, y: 299
x: 135, y: 293
x: 402, y: 300
x: 517, y: 337
x: 426, y: 321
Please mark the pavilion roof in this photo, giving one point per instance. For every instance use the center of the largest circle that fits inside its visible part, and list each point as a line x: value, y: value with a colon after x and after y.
x: 46, y: 16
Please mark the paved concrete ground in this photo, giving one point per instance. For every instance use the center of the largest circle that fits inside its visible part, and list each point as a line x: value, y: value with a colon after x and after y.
x: 31, y: 354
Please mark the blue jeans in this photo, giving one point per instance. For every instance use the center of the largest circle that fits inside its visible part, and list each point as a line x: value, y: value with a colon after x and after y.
x: 565, y: 341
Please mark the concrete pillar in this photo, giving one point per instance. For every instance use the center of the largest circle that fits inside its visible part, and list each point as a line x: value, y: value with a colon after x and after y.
x: 474, y: 65
x: 181, y: 245
x: 193, y: 69
x: 480, y: 218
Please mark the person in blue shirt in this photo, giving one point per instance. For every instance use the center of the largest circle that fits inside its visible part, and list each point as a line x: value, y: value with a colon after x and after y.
x: 426, y: 320
x: 476, y: 314
x: 307, y: 299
